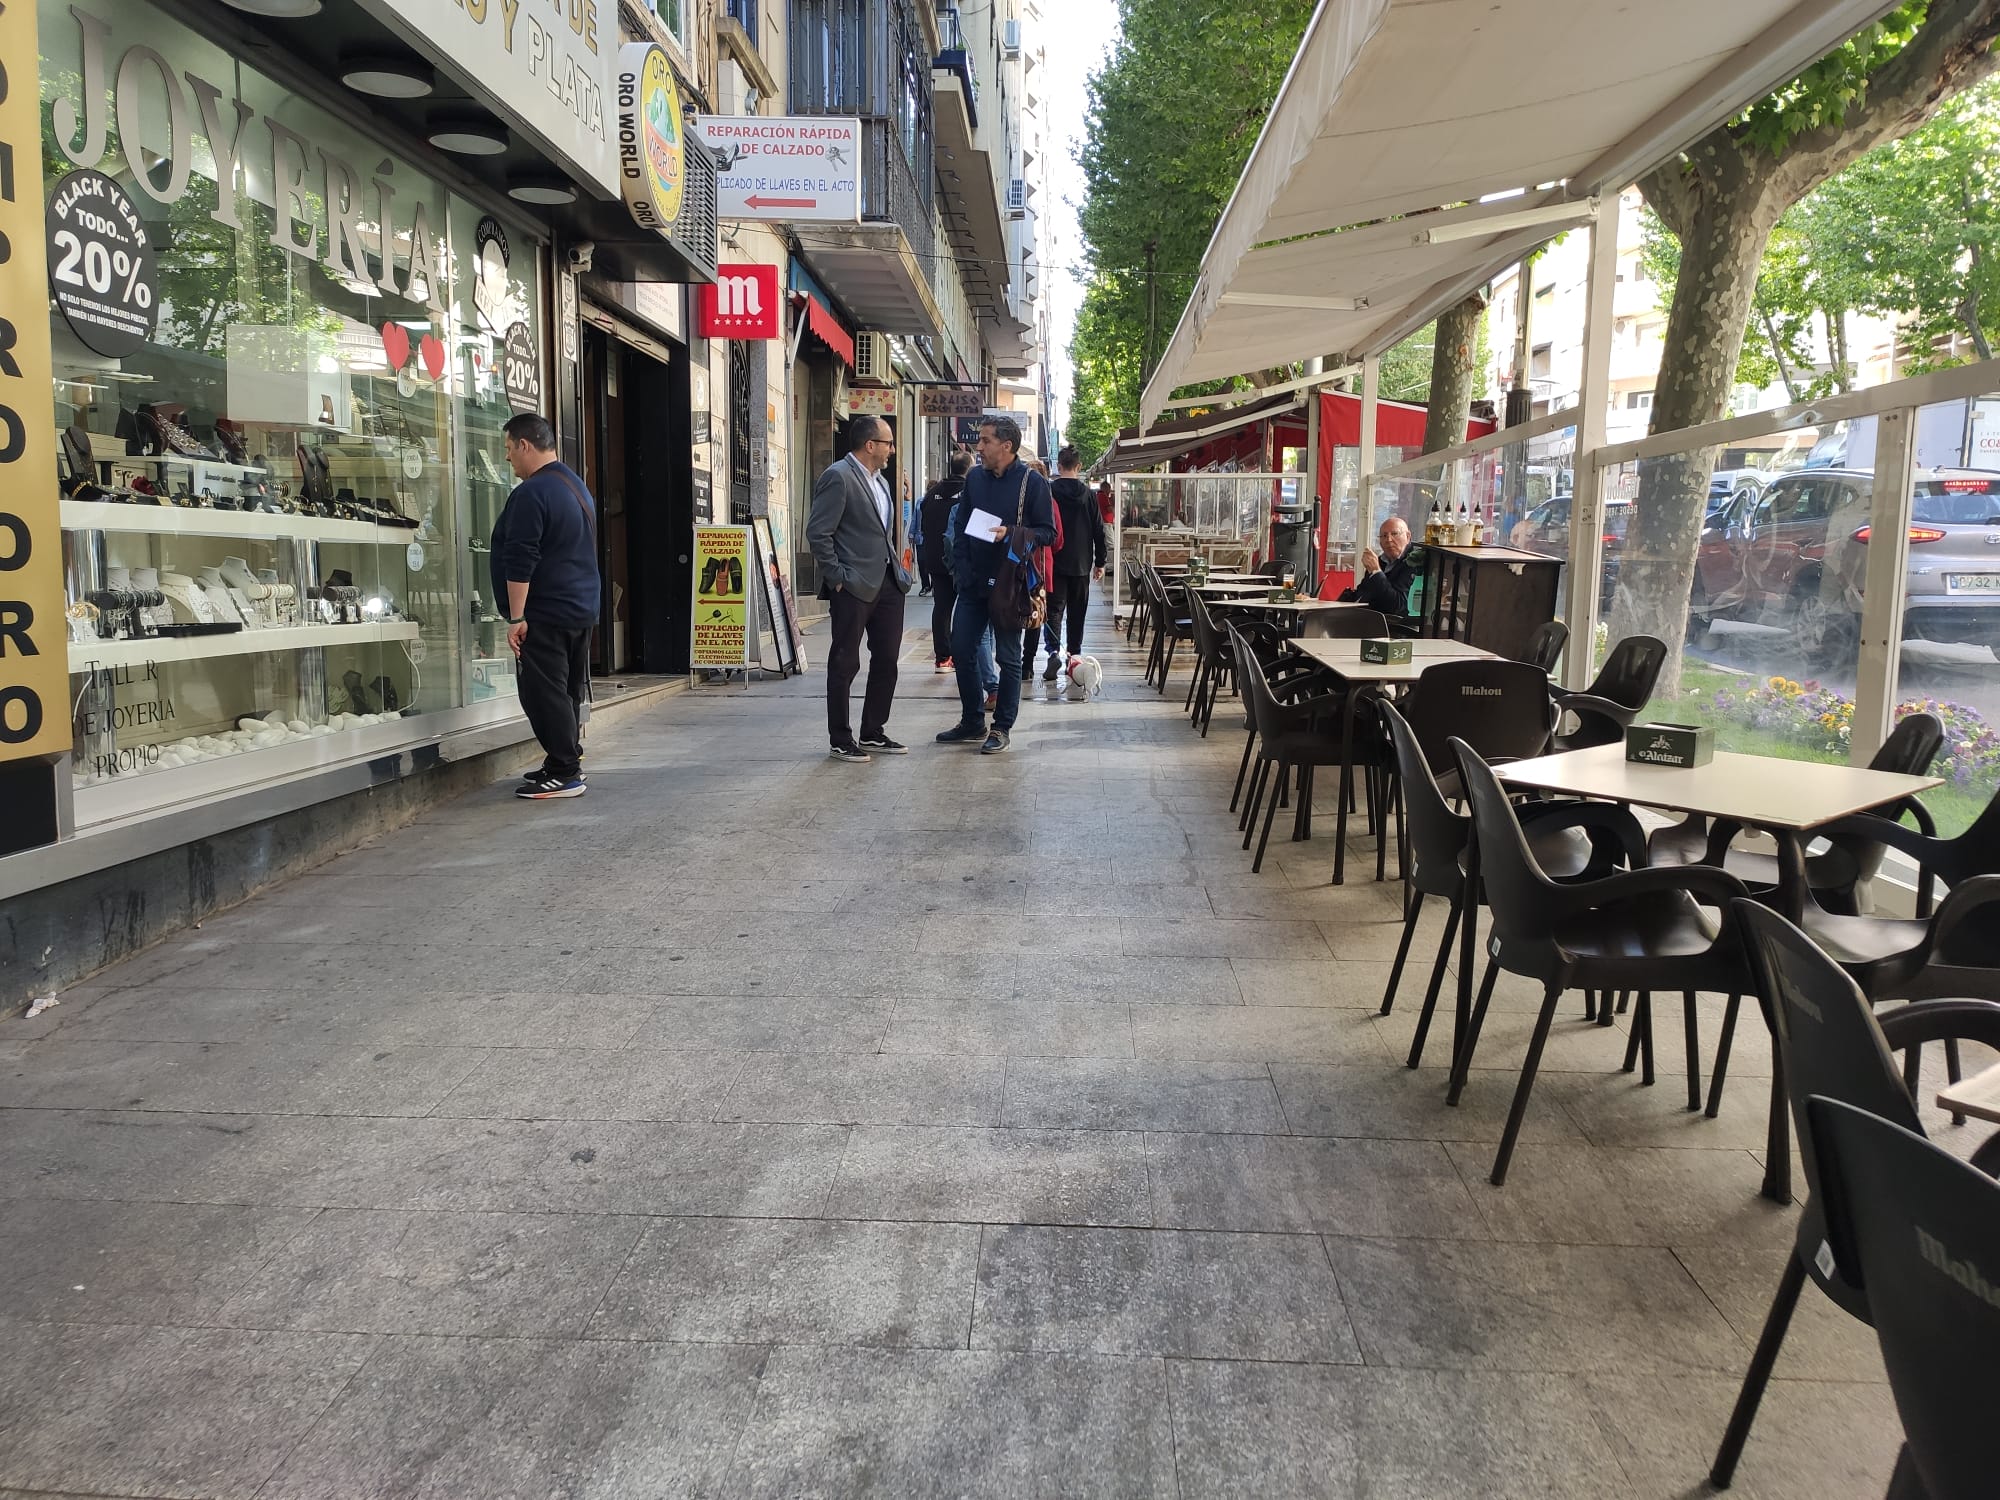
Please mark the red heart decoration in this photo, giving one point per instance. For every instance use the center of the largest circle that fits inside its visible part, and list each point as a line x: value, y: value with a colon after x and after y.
x: 432, y: 353
x: 396, y: 344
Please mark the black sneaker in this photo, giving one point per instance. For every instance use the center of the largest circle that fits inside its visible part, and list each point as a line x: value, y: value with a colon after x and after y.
x: 881, y: 744
x: 550, y: 787
x: 962, y: 734
x: 1052, y: 670
x: 995, y: 743
x: 851, y: 753
x: 1027, y: 671
x: 542, y: 773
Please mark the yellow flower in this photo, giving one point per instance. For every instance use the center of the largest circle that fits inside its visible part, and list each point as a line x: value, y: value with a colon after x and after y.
x: 1775, y: 682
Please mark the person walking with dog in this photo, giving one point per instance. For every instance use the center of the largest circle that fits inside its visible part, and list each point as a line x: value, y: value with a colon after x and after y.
x: 855, y: 530
x: 1079, y: 560
x: 1016, y: 499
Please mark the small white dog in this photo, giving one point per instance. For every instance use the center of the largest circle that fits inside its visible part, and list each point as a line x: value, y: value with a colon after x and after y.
x: 1086, y: 679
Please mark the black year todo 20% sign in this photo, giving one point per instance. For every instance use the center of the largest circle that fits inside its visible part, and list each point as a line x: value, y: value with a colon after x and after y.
x: 101, y: 267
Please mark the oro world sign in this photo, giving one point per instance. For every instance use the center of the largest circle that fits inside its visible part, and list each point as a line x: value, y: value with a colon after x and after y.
x: 34, y: 654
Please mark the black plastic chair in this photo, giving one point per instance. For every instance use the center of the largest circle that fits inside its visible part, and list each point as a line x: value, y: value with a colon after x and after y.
x: 1616, y: 696
x: 1545, y: 646
x: 1646, y: 930
x: 1831, y: 1044
x: 1343, y: 625
x: 1571, y: 841
x: 1918, y: 1228
x: 1291, y: 677
x: 1848, y: 858
x: 1500, y: 708
x: 1170, y: 628
x: 1212, y: 664
x: 1291, y: 741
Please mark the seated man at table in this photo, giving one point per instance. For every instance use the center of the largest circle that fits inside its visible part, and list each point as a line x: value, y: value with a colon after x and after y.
x: 1385, y: 579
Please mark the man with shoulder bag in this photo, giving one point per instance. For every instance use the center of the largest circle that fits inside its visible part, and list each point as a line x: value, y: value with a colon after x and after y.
x: 993, y: 567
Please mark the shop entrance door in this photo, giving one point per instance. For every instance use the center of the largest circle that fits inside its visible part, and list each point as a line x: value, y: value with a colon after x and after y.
x: 636, y: 446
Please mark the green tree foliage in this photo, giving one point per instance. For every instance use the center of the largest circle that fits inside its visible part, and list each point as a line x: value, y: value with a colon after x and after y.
x: 1172, y: 117
x: 1907, y: 232
x: 1722, y: 200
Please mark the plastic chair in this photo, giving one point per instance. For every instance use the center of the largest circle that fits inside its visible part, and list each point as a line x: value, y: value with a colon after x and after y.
x: 1289, y: 741
x: 1343, y: 625
x: 1290, y: 675
x: 1212, y: 664
x: 1832, y: 1045
x: 1646, y: 930
x: 1917, y: 1227
x: 1501, y: 709
x: 1571, y: 841
x: 1170, y: 628
x: 1545, y: 646
x: 1616, y: 696
x: 1848, y: 859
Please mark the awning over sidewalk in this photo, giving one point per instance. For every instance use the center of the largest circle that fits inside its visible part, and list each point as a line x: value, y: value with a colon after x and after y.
x: 1397, y: 107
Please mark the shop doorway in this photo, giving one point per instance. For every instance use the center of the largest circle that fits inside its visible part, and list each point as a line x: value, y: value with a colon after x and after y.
x: 636, y: 442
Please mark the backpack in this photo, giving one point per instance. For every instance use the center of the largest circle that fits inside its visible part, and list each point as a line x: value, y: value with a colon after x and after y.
x: 1020, y: 589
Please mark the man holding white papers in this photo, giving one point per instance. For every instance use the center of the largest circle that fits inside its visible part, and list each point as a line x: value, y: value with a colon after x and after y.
x: 1002, y: 495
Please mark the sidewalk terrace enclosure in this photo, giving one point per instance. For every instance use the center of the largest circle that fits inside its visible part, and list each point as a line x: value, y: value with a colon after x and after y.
x: 1415, y: 151
x: 1257, y: 434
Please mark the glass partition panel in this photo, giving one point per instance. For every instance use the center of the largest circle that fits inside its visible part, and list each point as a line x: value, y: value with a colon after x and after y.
x: 1753, y: 583
x: 1950, y: 625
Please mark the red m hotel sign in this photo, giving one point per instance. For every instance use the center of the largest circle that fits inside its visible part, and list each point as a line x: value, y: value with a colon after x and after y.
x: 743, y: 304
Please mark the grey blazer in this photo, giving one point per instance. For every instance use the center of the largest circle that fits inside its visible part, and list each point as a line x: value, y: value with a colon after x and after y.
x: 845, y: 533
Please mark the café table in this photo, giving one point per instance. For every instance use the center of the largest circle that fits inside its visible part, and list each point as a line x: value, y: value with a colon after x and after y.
x: 1343, y: 660
x: 1787, y: 799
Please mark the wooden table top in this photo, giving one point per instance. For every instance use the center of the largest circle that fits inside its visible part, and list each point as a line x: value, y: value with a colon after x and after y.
x: 1336, y: 653
x: 1759, y: 791
x: 1977, y: 1096
x: 1298, y: 605
x: 1344, y: 658
x: 1235, y: 586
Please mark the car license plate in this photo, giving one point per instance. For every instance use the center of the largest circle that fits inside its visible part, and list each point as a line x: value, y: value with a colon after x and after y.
x: 1972, y: 583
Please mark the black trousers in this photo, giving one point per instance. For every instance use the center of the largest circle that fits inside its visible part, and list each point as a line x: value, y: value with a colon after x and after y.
x: 881, y: 621
x: 944, y: 593
x: 1069, y: 600
x: 554, y: 677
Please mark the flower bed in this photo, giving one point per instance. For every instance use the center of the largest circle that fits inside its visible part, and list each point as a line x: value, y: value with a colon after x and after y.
x: 1820, y: 721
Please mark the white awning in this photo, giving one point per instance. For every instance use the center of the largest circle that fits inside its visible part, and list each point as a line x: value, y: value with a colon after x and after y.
x: 1395, y: 107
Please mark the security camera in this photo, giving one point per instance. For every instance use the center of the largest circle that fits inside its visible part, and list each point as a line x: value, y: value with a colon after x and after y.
x: 579, y: 256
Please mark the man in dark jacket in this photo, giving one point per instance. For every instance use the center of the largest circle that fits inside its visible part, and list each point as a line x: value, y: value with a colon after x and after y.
x: 1006, y: 488
x: 933, y: 520
x: 545, y: 572
x: 1079, y: 562
x: 1386, y: 579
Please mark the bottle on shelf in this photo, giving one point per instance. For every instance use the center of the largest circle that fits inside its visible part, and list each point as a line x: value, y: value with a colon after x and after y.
x: 1465, y: 527
x: 1431, y: 526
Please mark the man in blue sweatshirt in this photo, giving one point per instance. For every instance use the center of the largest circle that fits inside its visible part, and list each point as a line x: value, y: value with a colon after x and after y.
x: 1007, y: 489
x: 545, y: 571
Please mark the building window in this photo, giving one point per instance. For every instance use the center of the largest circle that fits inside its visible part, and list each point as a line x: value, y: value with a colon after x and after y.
x: 1638, y: 400
x: 673, y: 15
x: 744, y: 12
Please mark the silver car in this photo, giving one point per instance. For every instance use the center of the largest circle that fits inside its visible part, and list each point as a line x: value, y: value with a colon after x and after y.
x: 1952, y: 586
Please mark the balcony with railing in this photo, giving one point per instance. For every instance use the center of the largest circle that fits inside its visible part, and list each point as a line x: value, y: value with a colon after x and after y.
x: 872, y: 59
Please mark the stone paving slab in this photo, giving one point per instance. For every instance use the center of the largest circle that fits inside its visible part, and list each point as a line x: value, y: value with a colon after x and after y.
x: 950, y: 1125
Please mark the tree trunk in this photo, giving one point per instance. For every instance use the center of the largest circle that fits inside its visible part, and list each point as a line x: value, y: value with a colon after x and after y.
x: 1778, y: 353
x: 1453, y: 373
x: 1836, y: 325
x: 1720, y: 255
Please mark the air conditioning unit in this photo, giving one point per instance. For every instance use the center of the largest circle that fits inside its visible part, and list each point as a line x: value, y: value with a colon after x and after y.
x: 871, y: 357
x: 1017, y: 197
x: 1010, y: 39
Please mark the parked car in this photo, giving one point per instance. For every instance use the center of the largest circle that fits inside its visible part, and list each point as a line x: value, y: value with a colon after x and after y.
x: 1545, y: 529
x: 1796, y: 555
x: 1726, y: 485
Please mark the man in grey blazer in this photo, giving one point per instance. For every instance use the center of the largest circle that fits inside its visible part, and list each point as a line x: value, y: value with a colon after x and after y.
x: 857, y: 537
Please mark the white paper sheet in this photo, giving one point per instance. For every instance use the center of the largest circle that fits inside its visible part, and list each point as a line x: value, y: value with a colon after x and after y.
x: 983, y: 525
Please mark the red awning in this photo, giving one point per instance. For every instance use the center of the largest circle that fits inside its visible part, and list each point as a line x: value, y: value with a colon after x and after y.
x: 825, y: 327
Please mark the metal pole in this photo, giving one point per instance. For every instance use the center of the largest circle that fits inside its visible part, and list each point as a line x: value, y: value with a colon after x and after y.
x: 1884, y: 584
x: 1586, y: 529
x: 1364, y: 502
